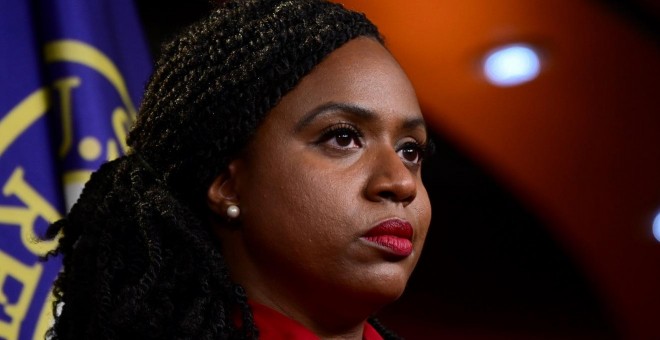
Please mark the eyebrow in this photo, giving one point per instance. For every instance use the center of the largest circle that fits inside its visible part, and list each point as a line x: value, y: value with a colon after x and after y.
x: 355, y: 110
x: 326, y: 108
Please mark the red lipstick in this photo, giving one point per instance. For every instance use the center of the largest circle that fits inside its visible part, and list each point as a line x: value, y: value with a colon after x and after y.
x: 395, y: 235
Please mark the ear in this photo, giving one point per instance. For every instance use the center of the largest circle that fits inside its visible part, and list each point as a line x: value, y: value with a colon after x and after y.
x: 222, y: 191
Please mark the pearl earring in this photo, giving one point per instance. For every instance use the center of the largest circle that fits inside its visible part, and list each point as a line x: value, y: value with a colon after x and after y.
x: 233, y: 211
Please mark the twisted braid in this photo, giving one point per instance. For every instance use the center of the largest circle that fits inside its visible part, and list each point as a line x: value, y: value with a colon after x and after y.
x: 139, y: 256
x: 139, y: 264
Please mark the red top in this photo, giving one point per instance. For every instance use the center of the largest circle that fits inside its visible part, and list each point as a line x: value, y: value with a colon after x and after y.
x: 273, y: 325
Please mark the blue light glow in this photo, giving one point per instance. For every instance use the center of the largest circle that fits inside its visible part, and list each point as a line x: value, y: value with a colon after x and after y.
x: 656, y: 227
x: 512, y: 65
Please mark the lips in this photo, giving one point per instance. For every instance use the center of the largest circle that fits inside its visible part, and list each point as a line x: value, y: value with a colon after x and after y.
x: 393, y: 236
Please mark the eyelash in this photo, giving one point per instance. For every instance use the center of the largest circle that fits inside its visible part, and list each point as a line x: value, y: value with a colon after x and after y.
x: 350, y: 131
x: 419, y: 148
x: 341, y: 130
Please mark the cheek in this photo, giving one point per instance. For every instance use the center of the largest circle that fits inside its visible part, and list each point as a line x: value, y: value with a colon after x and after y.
x: 304, y: 206
x: 326, y: 202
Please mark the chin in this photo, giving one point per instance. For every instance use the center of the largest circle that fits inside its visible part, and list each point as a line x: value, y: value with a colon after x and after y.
x: 385, y: 288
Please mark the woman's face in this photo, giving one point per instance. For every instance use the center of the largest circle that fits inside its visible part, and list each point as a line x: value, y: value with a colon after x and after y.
x: 333, y: 209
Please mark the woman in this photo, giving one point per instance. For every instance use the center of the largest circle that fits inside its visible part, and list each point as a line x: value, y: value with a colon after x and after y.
x: 273, y: 189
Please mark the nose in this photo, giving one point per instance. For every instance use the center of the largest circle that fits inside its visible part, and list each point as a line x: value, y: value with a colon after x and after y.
x: 391, y: 179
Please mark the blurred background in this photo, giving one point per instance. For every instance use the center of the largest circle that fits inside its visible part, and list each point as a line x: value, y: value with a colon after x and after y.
x: 546, y: 179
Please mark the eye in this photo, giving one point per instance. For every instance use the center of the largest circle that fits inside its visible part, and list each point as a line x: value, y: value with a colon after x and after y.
x: 412, y: 152
x: 341, y: 136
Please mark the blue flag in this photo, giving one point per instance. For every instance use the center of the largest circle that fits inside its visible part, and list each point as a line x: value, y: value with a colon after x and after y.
x: 71, y: 75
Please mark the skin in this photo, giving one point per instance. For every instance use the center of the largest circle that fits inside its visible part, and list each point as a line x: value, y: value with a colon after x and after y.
x: 309, y: 187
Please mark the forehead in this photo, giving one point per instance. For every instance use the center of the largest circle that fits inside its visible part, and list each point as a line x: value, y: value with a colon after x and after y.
x: 361, y: 72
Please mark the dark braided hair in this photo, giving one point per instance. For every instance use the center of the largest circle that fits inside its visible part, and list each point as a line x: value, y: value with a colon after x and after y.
x: 140, y: 259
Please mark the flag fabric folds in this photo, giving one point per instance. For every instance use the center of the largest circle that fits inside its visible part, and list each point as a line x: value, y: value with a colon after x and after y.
x: 72, y: 73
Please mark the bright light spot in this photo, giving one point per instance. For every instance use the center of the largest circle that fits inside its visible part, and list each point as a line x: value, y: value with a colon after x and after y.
x: 512, y: 65
x: 656, y: 227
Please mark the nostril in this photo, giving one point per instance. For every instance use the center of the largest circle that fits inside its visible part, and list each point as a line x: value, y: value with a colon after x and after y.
x: 397, y: 196
x: 388, y: 195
